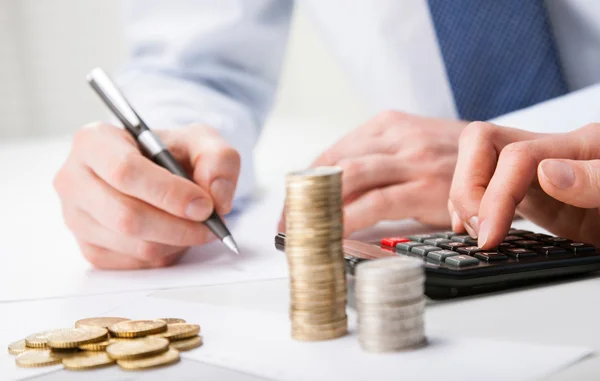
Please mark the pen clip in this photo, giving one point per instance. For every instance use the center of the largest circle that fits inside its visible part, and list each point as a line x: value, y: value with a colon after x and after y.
x: 114, y: 100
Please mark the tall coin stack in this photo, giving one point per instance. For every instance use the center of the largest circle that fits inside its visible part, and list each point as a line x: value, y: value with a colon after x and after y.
x: 314, y: 228
x: 390, y: 303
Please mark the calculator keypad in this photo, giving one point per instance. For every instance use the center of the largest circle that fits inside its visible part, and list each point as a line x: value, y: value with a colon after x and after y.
x: 458, y: 252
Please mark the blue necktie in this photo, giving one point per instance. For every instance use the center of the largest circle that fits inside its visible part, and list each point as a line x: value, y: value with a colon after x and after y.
x: 500, y: 55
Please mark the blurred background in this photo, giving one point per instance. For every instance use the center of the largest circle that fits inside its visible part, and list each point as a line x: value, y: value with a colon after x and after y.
x: 47, y: 47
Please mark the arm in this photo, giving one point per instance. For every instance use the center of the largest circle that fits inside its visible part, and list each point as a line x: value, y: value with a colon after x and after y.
x: 209, y: 62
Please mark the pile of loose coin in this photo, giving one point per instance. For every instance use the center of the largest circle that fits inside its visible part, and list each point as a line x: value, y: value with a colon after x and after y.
x: 390, y: 304
x: 104, y: 341
x: 314, y: 228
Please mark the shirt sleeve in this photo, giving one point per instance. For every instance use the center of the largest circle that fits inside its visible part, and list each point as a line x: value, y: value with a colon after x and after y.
x: 206, y: 61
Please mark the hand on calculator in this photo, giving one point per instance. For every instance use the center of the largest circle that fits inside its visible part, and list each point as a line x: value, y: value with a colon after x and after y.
x: 550, y: 179
x: 395, y: 166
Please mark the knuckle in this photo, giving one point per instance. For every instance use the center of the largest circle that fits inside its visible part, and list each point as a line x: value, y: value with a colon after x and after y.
x: 476, y: 132
x: 82, y: 135
x: 379, y: 200
x: 127, y: 222
x: 123, y: 170
x: 164, y: 261
x: 352, y: 168
x: 149, y: 251
x: 91, y: 254
x: 389, y: 116
x: 515, y: 151
x: 59, y: 181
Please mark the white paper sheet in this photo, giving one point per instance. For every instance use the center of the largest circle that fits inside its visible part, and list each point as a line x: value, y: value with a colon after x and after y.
x: 259, y: 343
x: 40, y: 258
x: 19, y: 319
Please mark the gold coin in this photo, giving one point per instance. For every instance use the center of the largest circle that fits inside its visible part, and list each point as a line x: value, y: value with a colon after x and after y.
x: 37, y: 340
x: 17, y: 347
x: 319, y: 335
x: 102, y: 321
x: 172, y: 320
x: 169, y: 357
x: 133, y: 349
x: 64, y: 353
x: 74, y: 337
x: 137, y: 328
x: 179, y: 331
x: 87, y: 360
x: 187, y: 344
x: 95, y: 347
x: 35, y: 359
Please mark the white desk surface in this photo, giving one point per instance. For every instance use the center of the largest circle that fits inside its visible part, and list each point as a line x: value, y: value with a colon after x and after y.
x: 561, y: 313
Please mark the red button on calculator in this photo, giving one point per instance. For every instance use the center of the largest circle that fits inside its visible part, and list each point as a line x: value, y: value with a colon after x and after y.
x: 393, y: 241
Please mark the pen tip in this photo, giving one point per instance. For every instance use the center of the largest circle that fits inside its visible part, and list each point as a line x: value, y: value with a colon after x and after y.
x: 230, y: 243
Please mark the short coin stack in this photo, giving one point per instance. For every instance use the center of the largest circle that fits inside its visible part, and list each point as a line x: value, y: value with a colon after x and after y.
x: 104, y: 341
x: 314, y: 228
x: 390, y: 304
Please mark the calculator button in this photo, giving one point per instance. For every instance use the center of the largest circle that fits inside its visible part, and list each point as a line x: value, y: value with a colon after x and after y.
x: 406, y: 246
x: 452, y: 245
x: 469, y: 250
x: 578, y: 247
x: 393, y: 241
x: 436, y: 241
x: 421, y: 237
x: 555, y: 241
x: 490, y: 256
x: 441, y: 255
x: 520, y: 252
x: 423, y: 250
x: 549, y: 250
x: 448, y: 234
x: 536, y: 236
x: 518, y: 232
x: 461, y: 261
x: 528, y: 243
x: 505, y: 246
x: 464, y: 239
x: 512, y: 238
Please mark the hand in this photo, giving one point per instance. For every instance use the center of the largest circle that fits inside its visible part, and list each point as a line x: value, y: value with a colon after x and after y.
x: 127, y: 212
x: 395, y: 166
x: 551, y: 179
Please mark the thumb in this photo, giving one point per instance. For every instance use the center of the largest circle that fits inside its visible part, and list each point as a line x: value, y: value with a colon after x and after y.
x: 574, y: 182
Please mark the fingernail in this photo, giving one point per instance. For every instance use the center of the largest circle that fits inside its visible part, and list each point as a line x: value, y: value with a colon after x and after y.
x: 222, y: 190
x: 199, y: 209
x: 559, y: 173
x: 472, y: 226
x: 484, y: 232
x: 456, y: 224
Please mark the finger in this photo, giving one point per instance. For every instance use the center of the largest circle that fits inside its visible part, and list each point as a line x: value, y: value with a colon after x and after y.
x: 372, y: 171
x: 515, y: 173
x: 129, y: 216
x: 107, y: 260
x: 88, y: 230
x: 119, y: 163
x: 215, y: 164
x: 573, y: 182
x: 393, y: 202
x: 457, y: 225
x: 479, y: 146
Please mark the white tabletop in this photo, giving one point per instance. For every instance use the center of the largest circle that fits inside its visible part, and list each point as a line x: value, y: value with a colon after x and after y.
x: 560, y: 313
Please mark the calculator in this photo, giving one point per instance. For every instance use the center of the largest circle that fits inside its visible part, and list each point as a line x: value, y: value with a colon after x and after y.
x: 455, y: 266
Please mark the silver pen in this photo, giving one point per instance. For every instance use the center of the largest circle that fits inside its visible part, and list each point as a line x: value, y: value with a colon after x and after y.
x: 150, y: 143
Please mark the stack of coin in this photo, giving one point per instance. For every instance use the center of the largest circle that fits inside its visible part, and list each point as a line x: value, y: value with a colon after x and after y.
x: 104, y: 341
x: 390, y: 303
x: 314, y: 228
